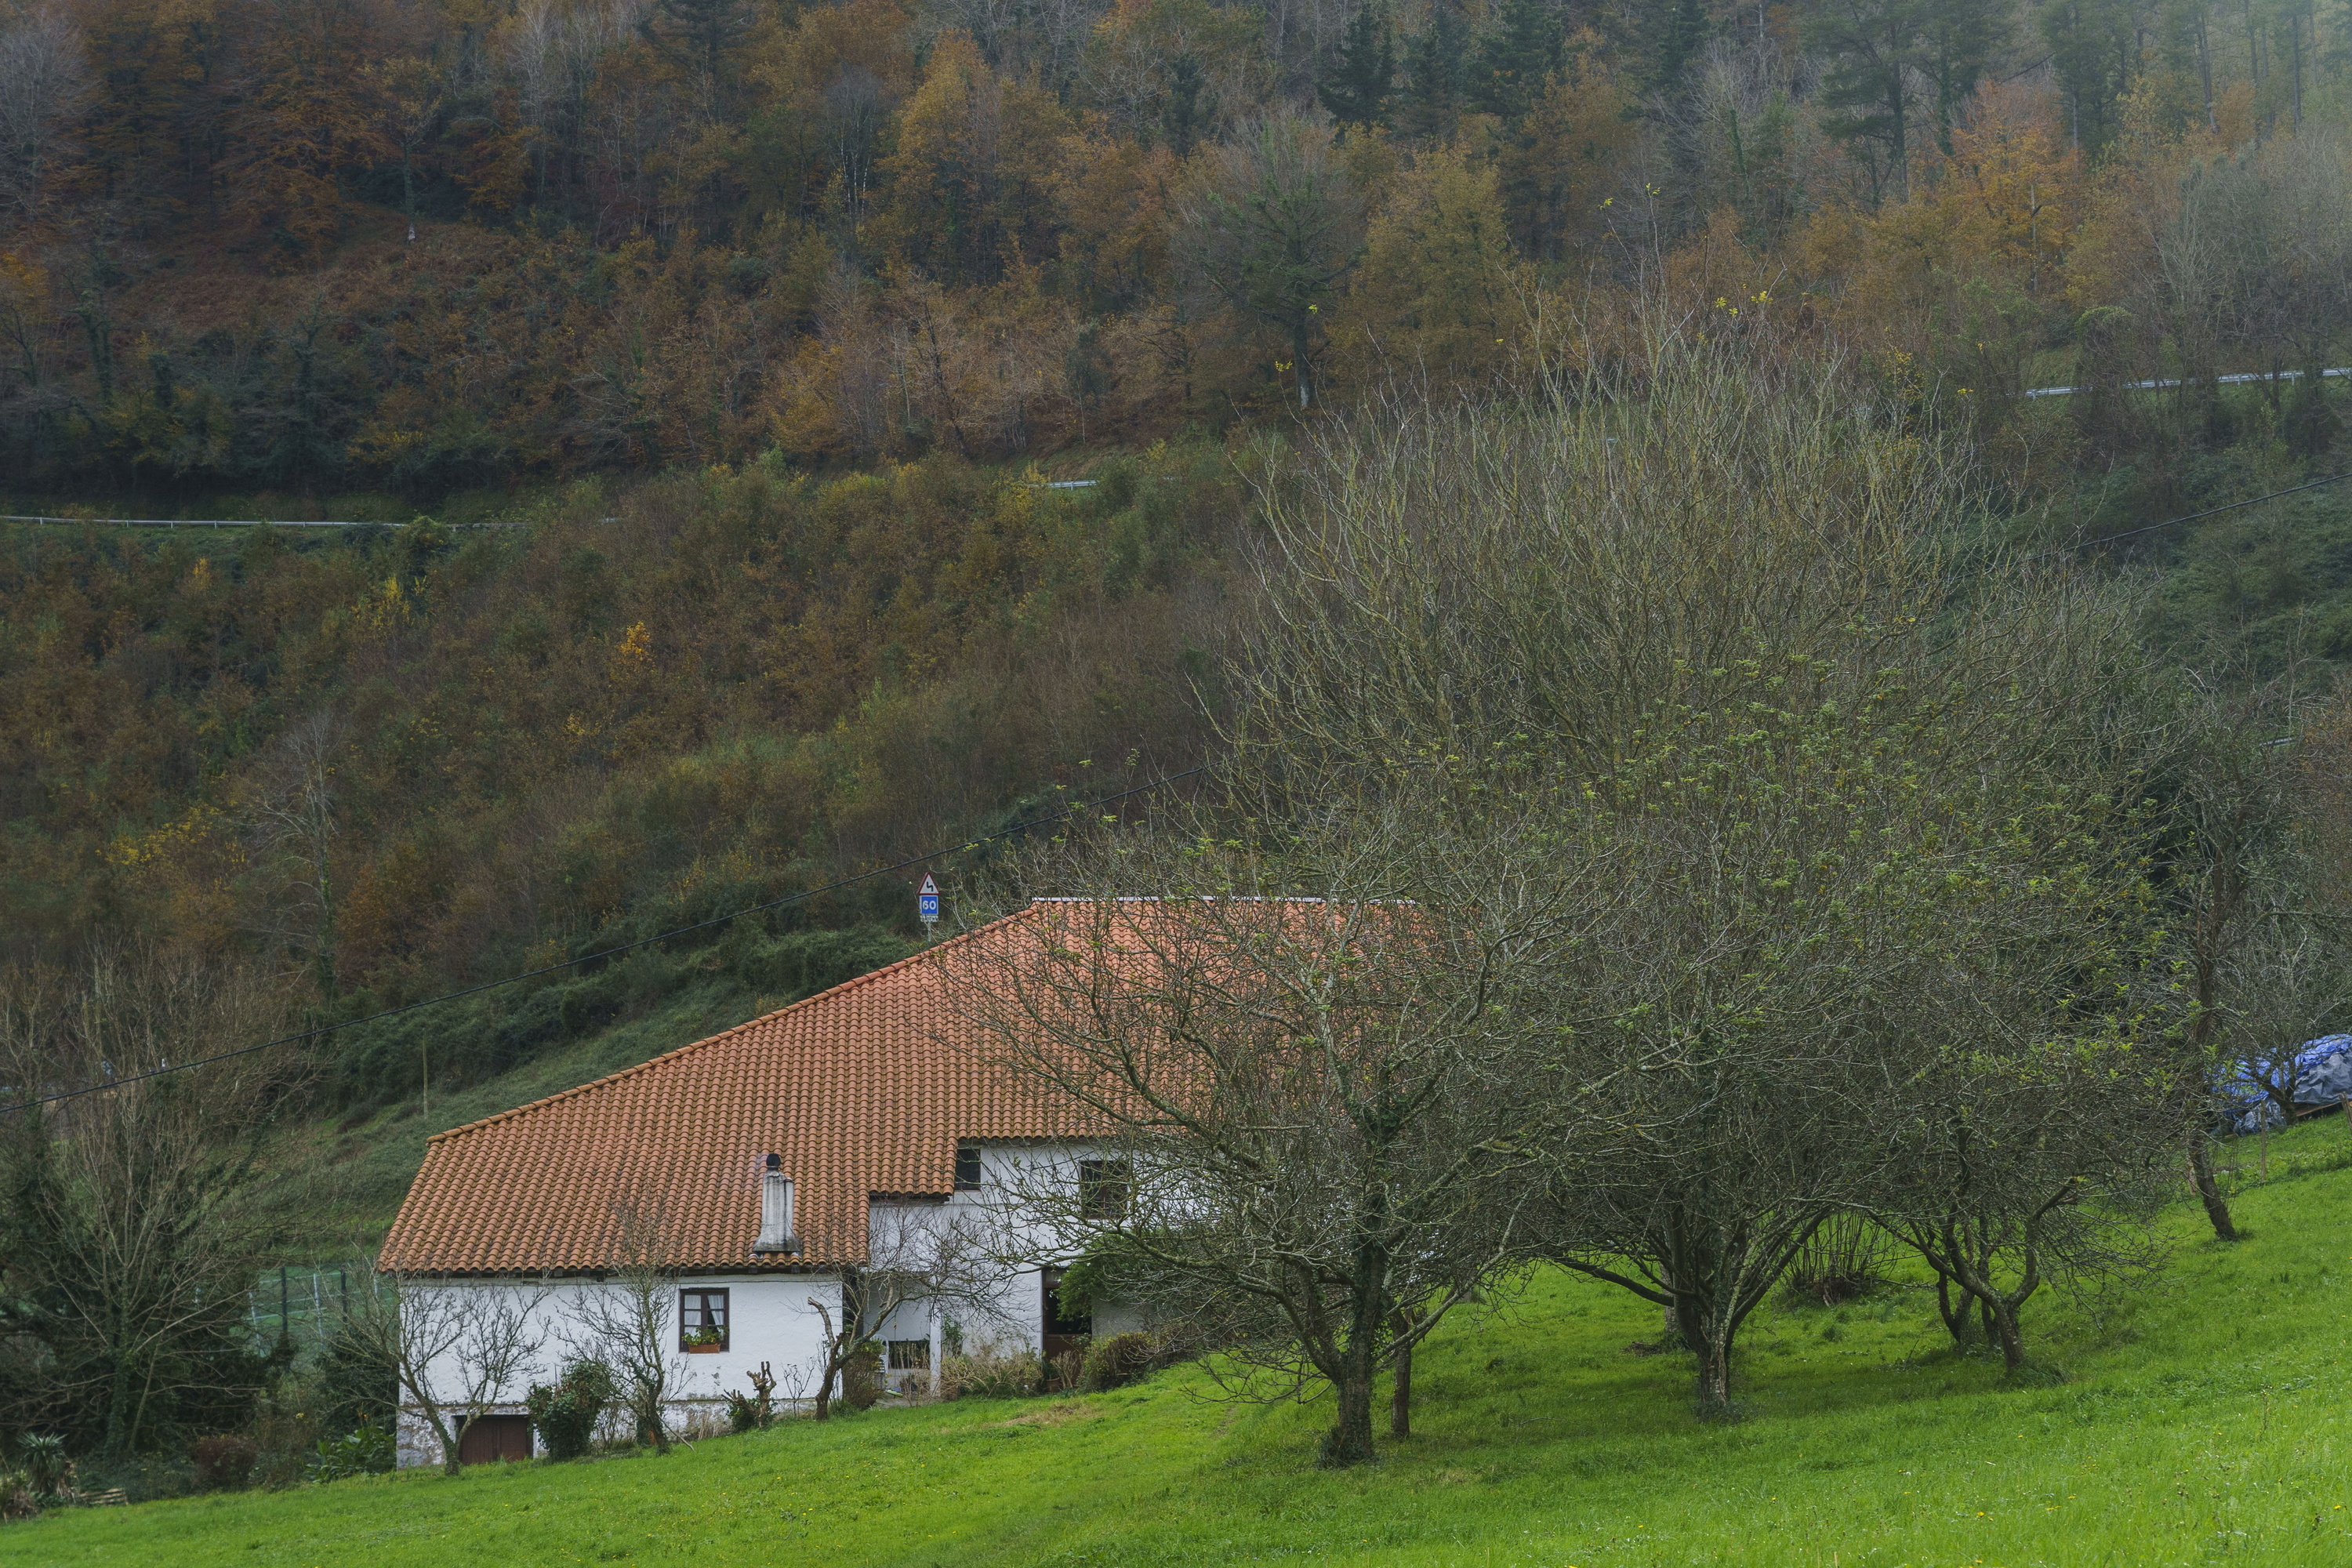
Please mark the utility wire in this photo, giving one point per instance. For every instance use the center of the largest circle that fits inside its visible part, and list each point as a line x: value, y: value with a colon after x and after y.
x: 609, y: 951
x: 2168, y: 522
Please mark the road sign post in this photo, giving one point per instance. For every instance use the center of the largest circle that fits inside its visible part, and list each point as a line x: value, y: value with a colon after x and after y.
x: 926, y: 903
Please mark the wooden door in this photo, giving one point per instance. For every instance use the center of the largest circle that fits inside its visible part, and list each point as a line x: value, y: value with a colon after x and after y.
x: 489, y: 1437
x: 1066, y: 1331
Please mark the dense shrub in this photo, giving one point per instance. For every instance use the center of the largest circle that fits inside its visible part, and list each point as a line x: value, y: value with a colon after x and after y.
x: 364, y: 1451
x: 48, y: 1471
x: 225, y: 1461
x: 352, y: 1389
x: 567, y: 1413
x: 861, y: 1378
x: 1117, y: 1359
x: 989, y: 1371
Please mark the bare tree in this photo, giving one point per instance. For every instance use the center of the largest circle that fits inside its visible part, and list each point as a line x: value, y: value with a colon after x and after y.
x: 926, y: 1256
x: 130, y: 1242
x: 455, y: 1349
x: 1801, y: 909
x: 2291, y: 986
x: 628, y: 1320
x: 2224, y: 770
x: 2033, y: 1130
x: 287, y: 806
x: 43, y: 84
x: 1715, y: 612
x: 1290, y: 1068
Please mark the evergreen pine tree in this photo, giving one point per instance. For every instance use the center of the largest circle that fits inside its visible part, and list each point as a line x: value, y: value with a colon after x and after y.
x: 1515, y: 58
x: 1437, y: 66
x: 1356, y: 89
x: 1680, y: 33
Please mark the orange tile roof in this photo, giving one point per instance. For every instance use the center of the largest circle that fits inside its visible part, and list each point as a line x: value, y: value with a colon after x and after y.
x: 861, y: 1089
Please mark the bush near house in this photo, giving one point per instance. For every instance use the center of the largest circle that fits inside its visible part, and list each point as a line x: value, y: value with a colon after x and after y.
x: 1115, y: 1360
x: 567, y: 1413
x: 990, y: 1372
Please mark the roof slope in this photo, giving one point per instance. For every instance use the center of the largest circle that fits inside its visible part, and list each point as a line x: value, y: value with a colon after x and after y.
x: 861, y: 1089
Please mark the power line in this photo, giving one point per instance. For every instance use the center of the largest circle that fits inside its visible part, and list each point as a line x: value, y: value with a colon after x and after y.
x: 2168, y: 522
x: 610, y: 951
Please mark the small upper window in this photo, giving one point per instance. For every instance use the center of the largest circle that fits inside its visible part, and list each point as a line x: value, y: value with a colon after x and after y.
x: 702, y: 1319
x: 967, y: 1178
x: 1103, y: 1188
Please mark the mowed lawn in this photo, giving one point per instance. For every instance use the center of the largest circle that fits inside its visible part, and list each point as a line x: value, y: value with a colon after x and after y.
x: 2201, y: 1418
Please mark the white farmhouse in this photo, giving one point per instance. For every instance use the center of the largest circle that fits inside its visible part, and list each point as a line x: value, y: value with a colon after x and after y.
x: 768, y: 1170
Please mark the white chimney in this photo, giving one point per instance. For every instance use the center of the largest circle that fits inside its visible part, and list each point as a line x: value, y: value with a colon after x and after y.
x: 776, y: 1210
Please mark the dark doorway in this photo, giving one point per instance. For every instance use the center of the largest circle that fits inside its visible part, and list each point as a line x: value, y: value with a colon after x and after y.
x: 489, y: 1437
x: 1066, y: 1331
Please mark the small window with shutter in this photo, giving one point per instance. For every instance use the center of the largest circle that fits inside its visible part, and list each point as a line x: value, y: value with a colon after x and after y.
x: 966, y: 1174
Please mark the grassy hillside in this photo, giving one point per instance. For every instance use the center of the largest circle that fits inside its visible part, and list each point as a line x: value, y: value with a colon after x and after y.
x: 2196, y: 1420
x: 338, y: 1183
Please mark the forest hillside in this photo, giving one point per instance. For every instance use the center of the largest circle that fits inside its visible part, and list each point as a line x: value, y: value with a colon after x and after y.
x: 305, y: 244
x: 782, y: 440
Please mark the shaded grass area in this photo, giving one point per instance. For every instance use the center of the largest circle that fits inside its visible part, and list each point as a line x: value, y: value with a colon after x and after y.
x: 2199, y: 1420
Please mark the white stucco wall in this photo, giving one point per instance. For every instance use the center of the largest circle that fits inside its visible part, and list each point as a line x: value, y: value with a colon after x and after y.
x: 1010, y: 1173
x: 771, y: 1317
x: 769, y: 1320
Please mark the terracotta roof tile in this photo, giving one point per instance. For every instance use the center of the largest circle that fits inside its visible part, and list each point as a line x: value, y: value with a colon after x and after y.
x: 861, y: 1089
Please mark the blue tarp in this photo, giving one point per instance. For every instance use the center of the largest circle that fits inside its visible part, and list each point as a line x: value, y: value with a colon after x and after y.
x: 2323, y: 1075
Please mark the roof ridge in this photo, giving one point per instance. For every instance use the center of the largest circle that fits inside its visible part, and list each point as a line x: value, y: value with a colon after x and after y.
x: 650, y: 1062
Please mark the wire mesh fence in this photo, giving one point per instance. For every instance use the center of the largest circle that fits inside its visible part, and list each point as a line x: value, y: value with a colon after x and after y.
x: 305, y: 1306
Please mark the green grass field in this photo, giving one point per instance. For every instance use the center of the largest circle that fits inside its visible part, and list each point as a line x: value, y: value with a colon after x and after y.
x: 2199, y: 1420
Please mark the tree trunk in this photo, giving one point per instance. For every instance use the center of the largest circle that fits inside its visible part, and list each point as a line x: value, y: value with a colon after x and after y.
x: 1957, y: 1322
x: 2013, y: 1338
x: 834, y: 1354
x: 1400, y: 1398
x: 825, y: 1384
x: 1350, y: 1441
x: 1714, y: 1390
x: 2208, y: 1190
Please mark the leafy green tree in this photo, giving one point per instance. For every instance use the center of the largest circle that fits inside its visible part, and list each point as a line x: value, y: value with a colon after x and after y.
x: 1673, y: 40
x: 701, y: 38
x: 2093, y: 48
